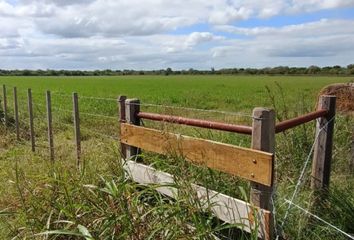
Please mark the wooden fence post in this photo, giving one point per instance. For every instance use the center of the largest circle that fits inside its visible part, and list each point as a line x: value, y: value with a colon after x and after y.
x: 122, y: 119
x: 77, y: 128
x: 30, y: 113
x: 322, y: 157
x: 263, y: 138
x: 5, y: 104
x: 351, y: 160
x: 132, y: 108
x: 50, y: 125
x: 17, y: 124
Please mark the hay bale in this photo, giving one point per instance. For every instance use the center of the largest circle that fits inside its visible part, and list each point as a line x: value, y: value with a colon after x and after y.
x: 345, y: 96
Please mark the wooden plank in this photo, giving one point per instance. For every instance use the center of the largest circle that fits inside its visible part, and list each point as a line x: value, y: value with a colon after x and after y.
x: 226, y: 208
x: 322, y: 157
x: 30, y: 113
x: 77, y: 129
x: 50, y: 125
x: 17, y: 124
x: 263, y: 139
x: 246, y: 163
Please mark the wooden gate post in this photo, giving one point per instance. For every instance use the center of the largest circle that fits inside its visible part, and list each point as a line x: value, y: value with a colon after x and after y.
x: 30, y: 113
x: 122, y: 119
x: 132, y: 108
x: 50, y: 125
x: 17, y: 124
x: 77, y: 129
x: 5, y: 104
x: 322, y: 157
x: 263, y: 138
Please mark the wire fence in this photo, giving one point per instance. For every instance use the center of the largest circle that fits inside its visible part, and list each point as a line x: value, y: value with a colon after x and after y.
x: 41, y: 113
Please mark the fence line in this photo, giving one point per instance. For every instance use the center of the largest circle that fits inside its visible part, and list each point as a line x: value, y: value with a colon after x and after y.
x: 81, y: 113
x: 136, y: 105
x: 320, y: 219
x: 299, y: 181
x: 157, y: 105
x: 88, y: 130
x: 194, y: 109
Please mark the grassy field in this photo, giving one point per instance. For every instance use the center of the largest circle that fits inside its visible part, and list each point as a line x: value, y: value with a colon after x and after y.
x: 56, y: 201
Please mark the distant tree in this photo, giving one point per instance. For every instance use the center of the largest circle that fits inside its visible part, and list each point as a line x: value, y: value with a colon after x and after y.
x: 313, y: 69
x: 350, y: 69
x: 168, y: 71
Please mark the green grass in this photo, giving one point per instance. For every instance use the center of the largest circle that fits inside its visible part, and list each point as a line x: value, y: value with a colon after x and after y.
x: 235, y: 93
x: 59, y: 202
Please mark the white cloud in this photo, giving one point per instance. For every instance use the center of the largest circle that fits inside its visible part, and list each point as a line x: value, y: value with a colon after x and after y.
x: 322, y: 42
x: 311, y: 29
x: 137, y: 34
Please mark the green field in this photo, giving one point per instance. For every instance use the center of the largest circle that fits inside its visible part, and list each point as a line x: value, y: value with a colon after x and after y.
x: 234, y: 93
x: 38, y: 196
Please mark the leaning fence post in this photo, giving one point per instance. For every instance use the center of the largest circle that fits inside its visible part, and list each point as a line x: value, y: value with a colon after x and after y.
x: 122, y: 119
x: 30, y: 113
x: 132, y: 108
x: 77, y: 128
x: 5, y: 104
x: 17, y: 125
x: 263, y: 138
x: 322, y: 157
x: 50, y: 125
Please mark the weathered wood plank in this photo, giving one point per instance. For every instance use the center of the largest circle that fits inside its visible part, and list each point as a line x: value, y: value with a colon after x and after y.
x: 243, y: 162
x: 226, y: 208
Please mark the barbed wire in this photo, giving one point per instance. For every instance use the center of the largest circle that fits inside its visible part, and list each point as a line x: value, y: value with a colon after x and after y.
x: 88, y: 130
x: 155, y: 105
x: 84, y: 97
x: 80, y: 112
x: 299, y: 181
x: 192, y: 109
x: 320, y: 219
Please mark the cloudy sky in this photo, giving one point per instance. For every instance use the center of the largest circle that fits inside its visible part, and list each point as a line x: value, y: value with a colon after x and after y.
x: 155, y: 34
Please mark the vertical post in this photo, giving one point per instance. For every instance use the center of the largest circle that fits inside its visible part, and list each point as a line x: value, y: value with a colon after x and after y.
x: 50, y: 125
x: 5, y: 104
x: 263, y: 138
x: 77, y: 128
x: 30, y: 113
x: 132, y: 108
x: 351, y: 160
x: 16, y: 115
x: 122, y: 119
x: 322, y: 157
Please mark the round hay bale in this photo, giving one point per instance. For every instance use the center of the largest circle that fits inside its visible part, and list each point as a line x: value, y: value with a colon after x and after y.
x: 345, y: 96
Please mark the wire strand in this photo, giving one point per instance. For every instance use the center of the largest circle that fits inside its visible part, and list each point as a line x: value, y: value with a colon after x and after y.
x: 319, y: 219
x: 302, y: 174
x: 193, y: 109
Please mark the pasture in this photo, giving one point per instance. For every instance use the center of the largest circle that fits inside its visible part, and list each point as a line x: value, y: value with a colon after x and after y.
x: 44, y: 200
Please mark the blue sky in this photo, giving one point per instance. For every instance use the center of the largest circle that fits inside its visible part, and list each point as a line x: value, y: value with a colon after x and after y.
x: 155, y: 34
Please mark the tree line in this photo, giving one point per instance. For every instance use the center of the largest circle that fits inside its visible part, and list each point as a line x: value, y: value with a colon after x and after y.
x: 280, y: 70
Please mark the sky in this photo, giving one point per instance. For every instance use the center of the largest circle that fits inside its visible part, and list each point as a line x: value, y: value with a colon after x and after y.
x: 181, y: 34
